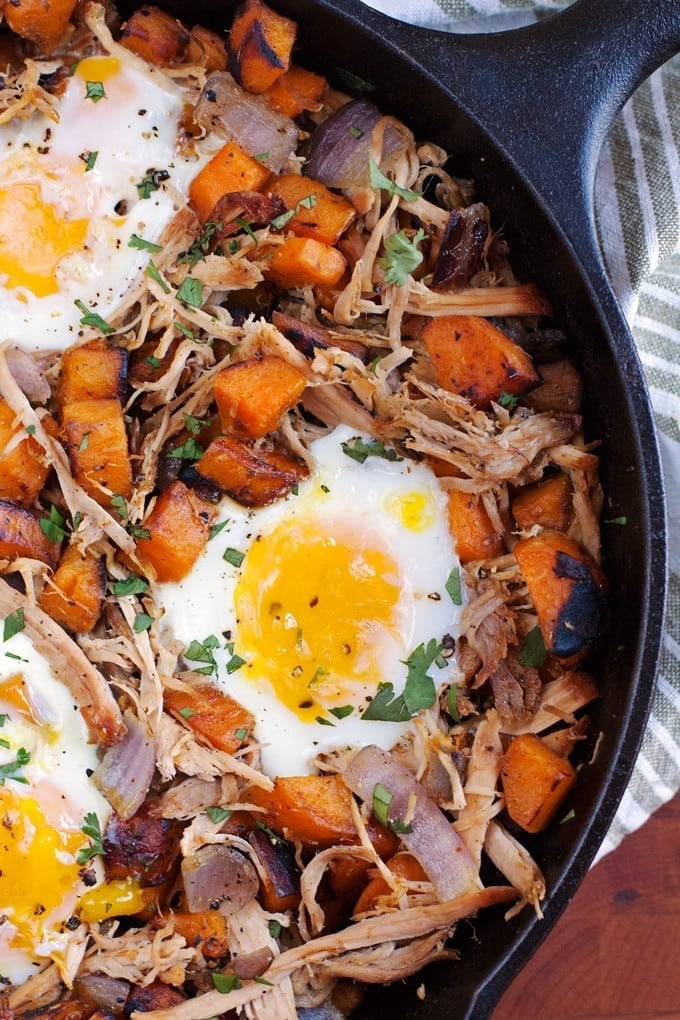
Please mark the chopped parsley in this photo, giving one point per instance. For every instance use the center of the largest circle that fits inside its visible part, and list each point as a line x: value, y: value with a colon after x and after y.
x: 451, y: 702
x: 132, y: 585
x: 323, y: 722
x: 533, y: 651
x: 616, y: 520
x: 402, y: 256
x: 216, y: 528
x: 84, y: 443
x: 218, y: 814
x: 226, y: 983
x: 189, y: 450
x: 14, y: 624
x: 507, y: 400
x: 10, y: 769
x: 53, y: 526
x: 419, y: 690
x: 141, y: 244
x: 568, y: 817
x: 185, y: 331
x: 234, y: 663
x: 342, y: 711
x: 90, y: 828
x: 382, y: 798
x: 234, y: 556
x: 274, y: 929
x: 142, y: 622
x: 201, y: 246
x: 153, y: 362
x: 119, y: 504
x: 89, y: 159
x: 308, y: 202
x: 355, y: 132
x: 137, y: 530
x: 91, y: 318
x: 453, y: 587
x: 30, y: 429
x: 241, y: 733
x: 191, y: 292
x: 383, y: 183
x: 245, y: 226
x: 194, y: 425
x: 153, y: 274
x: 95, y: 90
x: 187, y: 712
x: 150, y: 182
x: 359, y: 450
x: 203, y: 651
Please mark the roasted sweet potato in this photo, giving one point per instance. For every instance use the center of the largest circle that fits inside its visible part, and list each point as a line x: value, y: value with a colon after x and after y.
x: 560, y: 389
x: 548, y: 503
x: 296, y: 91
x: 97, y: 446
x: 404, y: 866
x: 207, y: 930
x: 93, y: 371
x: 217, y: 717
x: 472, y: 531
x: 230, y: 169
x: 302, y: 261
x: 155, y: 36
x: 143, y: 848
x: 279, y: 876
x: 179, y: 528
x: 145, y: 365
x: 42, y: 22
x: 316, y: 811
x: 75, y: 1009
x: 535, y: 781
x: 251, y: 477
x: 207, y: 49
x: 318, y: 212
x: 252, y: 396
x: 477, y: 360
x: 23, y: 465
x: 260, y: 45
x: 21, y: 535
x: 348, y: 877
x: 568, y: 591
x: 309, y: 337
x: 157, y: 995
x: 75, y: 595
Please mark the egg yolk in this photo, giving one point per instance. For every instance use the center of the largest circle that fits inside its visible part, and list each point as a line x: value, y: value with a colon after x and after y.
x: 96, y: 69
x: 412, y: 509
x: 37, y: 867
x: 311, y: 613
x: 34, y: 239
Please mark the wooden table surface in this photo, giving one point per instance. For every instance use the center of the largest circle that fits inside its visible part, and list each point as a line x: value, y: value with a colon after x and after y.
x: 615, y: 952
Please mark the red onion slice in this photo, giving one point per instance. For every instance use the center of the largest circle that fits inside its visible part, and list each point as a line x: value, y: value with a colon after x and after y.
x: 437, y: 847
x: 125, y: 772
x: 28, y: 375
x: 339, y: 147
x: 218, y: 878
x: 248, y: 120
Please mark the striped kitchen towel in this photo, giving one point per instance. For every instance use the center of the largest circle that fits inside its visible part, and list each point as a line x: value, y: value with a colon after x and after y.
x: 637, y: 197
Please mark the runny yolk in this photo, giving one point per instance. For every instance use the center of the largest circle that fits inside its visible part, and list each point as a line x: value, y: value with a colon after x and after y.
x: 311, y: 613
x: 34, y: 239
x: 98, y: 68
x: 37, y: 866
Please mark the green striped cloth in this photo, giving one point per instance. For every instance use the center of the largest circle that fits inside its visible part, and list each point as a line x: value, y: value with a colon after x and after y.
x: 637, y: 199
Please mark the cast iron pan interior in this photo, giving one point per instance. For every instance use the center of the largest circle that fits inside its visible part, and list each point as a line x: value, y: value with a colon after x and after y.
x: 524, y: 113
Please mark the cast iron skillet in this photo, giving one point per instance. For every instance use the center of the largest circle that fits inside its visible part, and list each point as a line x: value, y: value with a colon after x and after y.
x: 524, y: 113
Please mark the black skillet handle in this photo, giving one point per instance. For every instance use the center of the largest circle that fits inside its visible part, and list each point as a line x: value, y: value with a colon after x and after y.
x: 548, y: 93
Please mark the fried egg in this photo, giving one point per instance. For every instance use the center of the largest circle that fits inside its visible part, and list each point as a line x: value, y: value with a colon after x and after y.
x: 45, y: 797
x: 74, y: 191
x: 320, y: 599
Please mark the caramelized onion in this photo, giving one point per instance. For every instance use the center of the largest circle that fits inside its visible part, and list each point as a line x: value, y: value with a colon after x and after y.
x: 102, y: 991
x: 218, y: 878
x: 339, y: 147
x: 125, y: 772
x: 462, y: 247
x: 246, y: 119
x: 28, y: 375
x: 430, y: 838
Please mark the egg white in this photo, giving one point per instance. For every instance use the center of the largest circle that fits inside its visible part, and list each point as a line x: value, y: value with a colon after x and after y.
x: 130, y: 131
x: 369, y: 503
x: 57, y: 777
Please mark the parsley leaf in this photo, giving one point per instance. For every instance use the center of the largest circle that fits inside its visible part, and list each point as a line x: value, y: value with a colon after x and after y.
x: 194, y: 425
x: 142, y: 622
x: 203, y: 651
x: 189, y: 450
x: 141, y: 244
x: 119, y: 504
x: 185, y: 331
x: 453, y: 587
x: 533, y: 651
x: 419, y: 689
x: 274, y: 929
x: 90, y: 827
x: 234, y: 663
x: 14, y: 623
x: 507, y: 400
x: 132, y: 585
x: 616, y: 520
x: 89, y: 159
x: 216, y: 528
x: 84, y: 443
x: 95, y: 91
x: 201, y: 246
x: 308, y: 202
x: 137, y: 530
x: 401, y: 257
x: 150, y: 182
x: 53, y: 526
x: 241, y: 733
x: 358, y: 450
x: 92, y: 319
x: 226, y: 983
x: 234, y: 556
x: 10, y: 769
x: 191, y: 292
x: 218, y: 814
x: 451, y: 702
x: 382, y: 798
x: 383, y: 183
x: 342, y: 711
x: 152, y: 272
x: 386, y: 707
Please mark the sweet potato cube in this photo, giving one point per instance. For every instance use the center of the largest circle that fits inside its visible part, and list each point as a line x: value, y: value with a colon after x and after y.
x: 207, y: 49
x: 279, y: 876
x: 251, y: 477
x: 316, y: 810
x: 229, y: 170
x: 535, y: 781
x: 21, y: 535
x: 252, y: 396
x: 473, y: 533
x: 43, y: 24
x: 75, y: 595
x: 296, y: 91
x: 217, y: 717
x: 402, y: 865
x: 548, y: 503
x: 475, y: 359
x: 179, y: 528
x: 97, y: 446
x: 207, y: 930
x: 155, y: 36
x: 303, y: 261
x: 568, y: 590
x: 93, y: 371
x: 23, y: 464
x: 260, y: 45
x: 318, y: 212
